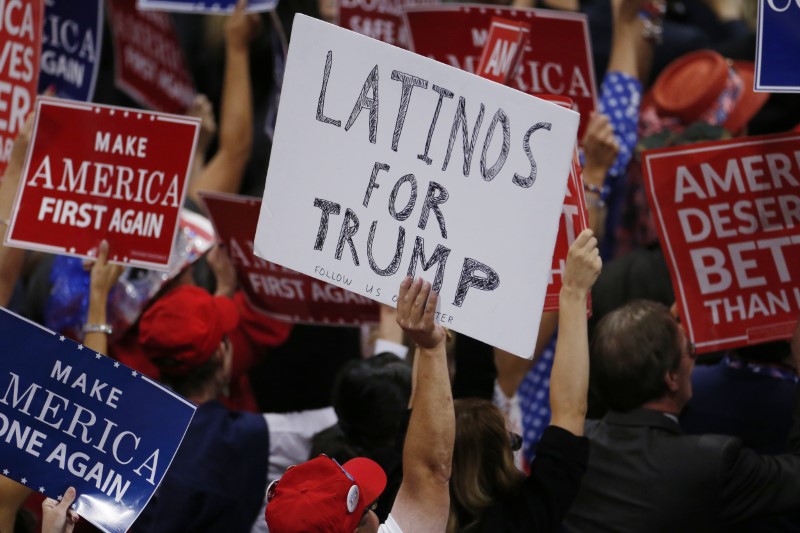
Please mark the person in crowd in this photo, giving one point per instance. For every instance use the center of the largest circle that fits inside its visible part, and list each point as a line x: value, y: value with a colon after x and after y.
x: 644, y: 474
x: 218, y: 478
x: 747, y: 394
x: 322, y: 496
x: 370, y: 398
x: 488, y: 493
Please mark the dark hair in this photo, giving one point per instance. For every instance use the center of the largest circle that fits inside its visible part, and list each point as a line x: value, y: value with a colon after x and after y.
x: 191, y: 382
x: 370, y: 397
x: 632, y: 350
x: 483, y: 464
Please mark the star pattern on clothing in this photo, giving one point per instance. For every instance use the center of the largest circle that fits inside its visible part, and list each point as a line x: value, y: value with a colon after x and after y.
x: 534, y: 401
x: 620, y: 97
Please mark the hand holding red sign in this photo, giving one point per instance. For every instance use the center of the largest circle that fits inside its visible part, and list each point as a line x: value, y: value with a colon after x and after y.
x: 728, y: 216
x: 119, y: 175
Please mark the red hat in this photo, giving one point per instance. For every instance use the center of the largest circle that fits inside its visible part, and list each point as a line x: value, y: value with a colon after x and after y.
x: 702, y: 86
x: 184, y: 328
x: 320, y: 496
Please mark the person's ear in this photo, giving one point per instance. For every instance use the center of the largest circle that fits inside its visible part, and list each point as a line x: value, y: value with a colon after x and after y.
x: 671, y: 379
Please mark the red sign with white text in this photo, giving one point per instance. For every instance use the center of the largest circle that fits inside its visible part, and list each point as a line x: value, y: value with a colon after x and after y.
x: 148, y: 61
x: 557, y: 61
x: 379, y: 19
x: 728, y: 216
x: 21, y: 45
x: 503, y: 51
x: 276, y: 290
x: 100, y: 172
x: 574, y: 219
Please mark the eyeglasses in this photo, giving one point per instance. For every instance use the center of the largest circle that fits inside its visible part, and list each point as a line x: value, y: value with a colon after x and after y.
x: 515, y: 440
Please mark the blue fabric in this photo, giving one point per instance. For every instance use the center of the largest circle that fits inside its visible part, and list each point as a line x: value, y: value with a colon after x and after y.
x: 753, y: 406
x: 218, y: 478
x: 534, y: 401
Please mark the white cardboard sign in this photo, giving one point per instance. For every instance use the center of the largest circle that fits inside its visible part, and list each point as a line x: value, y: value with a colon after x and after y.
x: 385, y: 163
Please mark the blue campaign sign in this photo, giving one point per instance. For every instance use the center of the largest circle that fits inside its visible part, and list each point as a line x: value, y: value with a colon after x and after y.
x: 205, y: 6
x: 72, y: 417
x: 778, y: 42
x: 71, y: 39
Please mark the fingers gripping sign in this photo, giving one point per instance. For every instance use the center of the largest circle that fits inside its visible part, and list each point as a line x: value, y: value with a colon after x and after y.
x: 416, y: 309
x: 583, y: 263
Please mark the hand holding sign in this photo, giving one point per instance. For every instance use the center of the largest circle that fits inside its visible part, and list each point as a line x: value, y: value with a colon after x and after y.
x: 416, y: 306
x: 583, y: 264
x: 57, y: 517
x: 242, y: 27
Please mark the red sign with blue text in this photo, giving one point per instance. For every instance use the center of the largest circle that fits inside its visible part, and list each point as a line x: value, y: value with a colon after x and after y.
x: 20, y: 50
x: 99, y: 172
x: 728, y: 216
x: 558, y: 60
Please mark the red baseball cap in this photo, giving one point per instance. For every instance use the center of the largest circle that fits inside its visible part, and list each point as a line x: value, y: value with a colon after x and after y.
x: 183, y: 328
x: 321, y: 496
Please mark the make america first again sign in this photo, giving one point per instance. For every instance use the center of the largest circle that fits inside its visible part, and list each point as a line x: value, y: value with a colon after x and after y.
x: 386, y: 163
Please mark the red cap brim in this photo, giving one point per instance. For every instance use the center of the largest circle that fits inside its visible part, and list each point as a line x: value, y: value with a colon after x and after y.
x: 369, y: 475
x: 227, y: 312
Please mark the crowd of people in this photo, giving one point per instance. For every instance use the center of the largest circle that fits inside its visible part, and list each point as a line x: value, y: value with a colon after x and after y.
x: 614, y: 424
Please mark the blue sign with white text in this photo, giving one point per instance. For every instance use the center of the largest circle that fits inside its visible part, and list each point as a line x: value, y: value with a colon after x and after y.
x: 72, y: 417
x: 71, y: 39
x: 205, y: 6
x: 777, y: 46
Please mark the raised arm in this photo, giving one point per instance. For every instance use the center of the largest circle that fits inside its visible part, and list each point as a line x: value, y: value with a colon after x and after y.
x: 103, y: 278
x: 423, y: 501
x: 224, y: 171
x: 11, y: 259
x: 569, y: 381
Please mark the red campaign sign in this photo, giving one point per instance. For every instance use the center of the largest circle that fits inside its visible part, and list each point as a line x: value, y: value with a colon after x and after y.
x: 99, y: 172
x: 557, y: 61
x: 148, y: 61
x: 276, y: 290
x: 503, y: 50
x: 574, y: 219
x: 728, y: 216
x: 379, y: 19
x: 21, y: 39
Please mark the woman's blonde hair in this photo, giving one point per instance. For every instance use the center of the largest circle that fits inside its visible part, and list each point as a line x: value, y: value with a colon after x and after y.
x: 483, y: 464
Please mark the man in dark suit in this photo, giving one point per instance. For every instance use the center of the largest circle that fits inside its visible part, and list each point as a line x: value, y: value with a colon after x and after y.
x: 643, y: 473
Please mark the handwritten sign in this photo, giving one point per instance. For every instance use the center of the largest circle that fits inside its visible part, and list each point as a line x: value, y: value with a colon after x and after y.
x: 20, y: 48
x: 558, y: 60
x: 728, y: 216
x: 72, y: 417
x: 271, y: 288
x: 503, y: 51
x: 148, y: 61
x: 205, y: 6
x: 379, y: 19
x: 120, y: 176
x: 73, y: 34
x: 777, y: 42
x: 418, y: 168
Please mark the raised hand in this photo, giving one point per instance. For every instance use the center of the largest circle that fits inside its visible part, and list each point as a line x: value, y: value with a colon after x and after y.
x: 583, y: 264
x: 416, y: 306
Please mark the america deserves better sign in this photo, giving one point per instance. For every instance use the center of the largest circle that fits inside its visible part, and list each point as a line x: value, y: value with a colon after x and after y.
x: 20, y: 49
x: 728, y: 216
x: 72, y: 417
x: 387, y: 164
x: 99, y: 172
x: 273, y: 289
